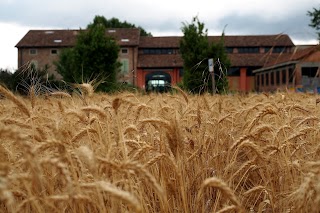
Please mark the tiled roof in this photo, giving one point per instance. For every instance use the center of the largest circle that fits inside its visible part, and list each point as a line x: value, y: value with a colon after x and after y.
x: 67, y: 38
x: 229, y: 41
x: 131, y: 37
x: 296, y: 55
x: 254, y: 40
x: 48, y: 38
x: 125, y: 36
x: 159, y: 42
x: 289, y: 58
x: 158, y: 61
x: 251, y: 59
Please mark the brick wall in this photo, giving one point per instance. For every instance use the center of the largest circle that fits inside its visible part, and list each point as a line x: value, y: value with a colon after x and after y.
x: 46, y: 57
x: 41, y: 57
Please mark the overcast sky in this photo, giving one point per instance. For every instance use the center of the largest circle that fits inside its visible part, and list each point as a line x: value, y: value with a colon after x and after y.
x: 161, y: 18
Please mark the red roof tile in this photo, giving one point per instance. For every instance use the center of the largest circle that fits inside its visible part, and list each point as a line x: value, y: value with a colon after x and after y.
x: 296, y: 55
x: 48, y: 38
x: 251, y: 59
x: 125, y: 36
x: 254, y: 40
x: 229, y: 41
x: 159, y: 42
x: 67, y: 38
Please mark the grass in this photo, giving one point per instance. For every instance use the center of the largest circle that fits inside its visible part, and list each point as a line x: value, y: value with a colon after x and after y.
x: 159, y: 153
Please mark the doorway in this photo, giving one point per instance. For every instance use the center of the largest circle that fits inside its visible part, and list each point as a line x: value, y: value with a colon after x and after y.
x: 158, y: 82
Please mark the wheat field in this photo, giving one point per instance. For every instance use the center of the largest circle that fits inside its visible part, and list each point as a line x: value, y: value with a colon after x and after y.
x: 175, y: 152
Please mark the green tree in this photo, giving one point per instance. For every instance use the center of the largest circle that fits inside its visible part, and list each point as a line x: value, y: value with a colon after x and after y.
x: 94, y: 56
x: 116, y: 23
x: 315, y: 20
x: 222, y: 63
x: 196, y: 50
x: 7, y: 78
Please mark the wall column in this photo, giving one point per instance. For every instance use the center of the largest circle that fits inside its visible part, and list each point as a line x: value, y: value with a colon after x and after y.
x: 243, y: 79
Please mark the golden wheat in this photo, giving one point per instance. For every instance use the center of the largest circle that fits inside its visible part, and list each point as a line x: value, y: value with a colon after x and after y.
x: 130, y: 152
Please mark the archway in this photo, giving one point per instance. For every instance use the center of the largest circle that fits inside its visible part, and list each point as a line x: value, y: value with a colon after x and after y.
x: 158, y: 82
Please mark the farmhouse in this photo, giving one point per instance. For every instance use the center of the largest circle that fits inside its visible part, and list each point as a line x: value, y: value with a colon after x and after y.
x: 156, y: 61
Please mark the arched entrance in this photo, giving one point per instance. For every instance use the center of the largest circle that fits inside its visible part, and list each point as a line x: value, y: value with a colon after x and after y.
x: 158, y: 82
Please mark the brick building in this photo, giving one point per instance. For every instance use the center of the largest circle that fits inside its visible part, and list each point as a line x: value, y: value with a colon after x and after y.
x: 297, y: 70
x: 156, y: 61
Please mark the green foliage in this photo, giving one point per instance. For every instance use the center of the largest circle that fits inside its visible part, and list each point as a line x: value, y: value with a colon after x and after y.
x: 315, y: 20
x: 38, y: 79
x: 222, y: 64
x: 116, y: 23
x: 93, y: 57
x: 7, y: 79
x: 29, y: 76
x: 196, y: 51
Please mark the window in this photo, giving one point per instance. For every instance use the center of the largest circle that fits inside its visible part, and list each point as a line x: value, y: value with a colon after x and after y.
x: 248, y: 49
x: 258, y: 80
x: 284, y: 76
x: 229, y: 49
x: 267, y: 79
x: 166, y: 51
x: 54, y: 51
x: 309, y: 72
x: 145, y: 51
x: 279, y: 49
x: 291, y: 75
x: 152, y: 51
x: 278, y: 77
x: 272, y: 78
x: 33, y: 51
x: 267, y: 49
x: 262, y: 79
x: 180, y: 72
x: 124, y: 66
x: 124, y: 51
x: 234, y: 71
x: 158, y: 51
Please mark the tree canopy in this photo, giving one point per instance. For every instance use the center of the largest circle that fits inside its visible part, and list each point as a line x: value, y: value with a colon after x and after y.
x: 116, y: 23
x: 315, y: 20
x: 94, y: 56
x: 196, y: 50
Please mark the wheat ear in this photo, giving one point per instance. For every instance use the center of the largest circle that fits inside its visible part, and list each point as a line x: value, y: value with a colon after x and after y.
x: 116, y: 193
x: 21, y: 105
x: 223, y: 187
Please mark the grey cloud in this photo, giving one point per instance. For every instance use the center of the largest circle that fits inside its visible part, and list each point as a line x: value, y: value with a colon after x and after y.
x: 296, y: 26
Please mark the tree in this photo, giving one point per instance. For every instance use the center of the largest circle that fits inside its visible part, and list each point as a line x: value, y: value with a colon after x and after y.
x: 94, y: 56
x: 196, y: 50
x: 6, y: 78
x: 315, y: 20
x: 116, y: 23
x: 222, y: 63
